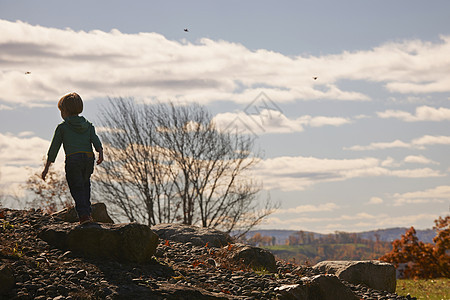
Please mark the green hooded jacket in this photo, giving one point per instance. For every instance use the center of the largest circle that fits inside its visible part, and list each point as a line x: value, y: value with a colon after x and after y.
x: 77, y: 135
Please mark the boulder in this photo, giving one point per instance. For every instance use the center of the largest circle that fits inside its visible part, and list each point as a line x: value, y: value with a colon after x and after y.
x: 374, y: 274
x: 130, y: 242
x: 198, y: 236
x: 320, y: 287
x: 256, y: 258
x: 99, y: 214
x: 292, y: 292
x: 7, y: 280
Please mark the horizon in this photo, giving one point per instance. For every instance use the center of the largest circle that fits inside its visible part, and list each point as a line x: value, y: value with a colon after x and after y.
x: 378, y: 229
x: 348, y: 101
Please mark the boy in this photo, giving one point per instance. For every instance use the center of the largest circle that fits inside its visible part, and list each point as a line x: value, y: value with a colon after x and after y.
x: 76, y: 134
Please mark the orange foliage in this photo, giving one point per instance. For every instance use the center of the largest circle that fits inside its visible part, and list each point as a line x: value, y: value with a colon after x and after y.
x: 424, y: 260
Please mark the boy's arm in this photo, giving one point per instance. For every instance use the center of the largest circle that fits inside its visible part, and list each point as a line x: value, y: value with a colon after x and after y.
x: 53, y: 150
x: 47, y: 166
x: 55, y: 145
x: 97, y: 145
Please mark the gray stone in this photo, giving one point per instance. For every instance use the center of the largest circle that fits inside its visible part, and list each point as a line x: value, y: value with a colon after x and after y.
x: 198, y: 236
x: 130, y: 242
x: 329, y: 287
x: 99, y: 214
x: 292, y: 291
x: 7, y: 280
x: 374, y: 274
x: 320, y: 287
x: 256, y: 258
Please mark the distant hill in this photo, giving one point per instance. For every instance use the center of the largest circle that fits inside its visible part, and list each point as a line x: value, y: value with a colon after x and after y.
x: 386, y: 235
x: 391, y: 234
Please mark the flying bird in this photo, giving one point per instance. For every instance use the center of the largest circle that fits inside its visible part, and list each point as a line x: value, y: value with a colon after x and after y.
x: 315, y: 77
x: 187, y: 30
x: 27, y: 73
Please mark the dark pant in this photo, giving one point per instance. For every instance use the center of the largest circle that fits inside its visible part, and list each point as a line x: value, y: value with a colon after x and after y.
x: 79, y: 167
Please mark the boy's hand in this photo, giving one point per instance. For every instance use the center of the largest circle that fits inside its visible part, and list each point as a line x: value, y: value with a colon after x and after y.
x: 100, y: 157
x: 44, y: 173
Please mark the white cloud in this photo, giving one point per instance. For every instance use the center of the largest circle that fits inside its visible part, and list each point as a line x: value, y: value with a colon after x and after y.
x: 20, y: 156
x: 323, y: 121
x: 416, y: 173
x: 419, y: 159
x: 272, y: 121
x: 389, y: 162
x: 308, y: 208
x: 423, y: 113
x: 5, y: 107
x: 439, y: 194
x: 357, y: 216
x: 420, y: 143
x: 297, y: 173
x: 25, y: 134
x: 266, y: 122
x: 431, y: 140
x: 101, y: 129
x: 422, y: 220
x: 149, y: 66
x: 375, y: 200
x: 20, y: 151
x: 380, y: 145
x: 358, y: 222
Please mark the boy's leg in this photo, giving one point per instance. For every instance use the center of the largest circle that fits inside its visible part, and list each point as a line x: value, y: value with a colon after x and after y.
x: 77, y: 168
x: 87, y: 172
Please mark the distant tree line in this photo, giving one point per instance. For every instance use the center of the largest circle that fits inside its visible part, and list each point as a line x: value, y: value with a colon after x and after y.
x: 309, y: 238
x: 339, y: 237
x: 305, y: 248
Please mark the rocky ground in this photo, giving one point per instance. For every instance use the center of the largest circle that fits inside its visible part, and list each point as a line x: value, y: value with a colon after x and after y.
x: 178, y: 270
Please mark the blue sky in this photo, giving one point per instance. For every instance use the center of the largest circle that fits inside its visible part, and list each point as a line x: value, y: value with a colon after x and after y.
x: 363, y: 146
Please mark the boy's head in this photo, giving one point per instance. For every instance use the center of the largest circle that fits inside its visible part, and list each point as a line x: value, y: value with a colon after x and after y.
x: 70, y: 104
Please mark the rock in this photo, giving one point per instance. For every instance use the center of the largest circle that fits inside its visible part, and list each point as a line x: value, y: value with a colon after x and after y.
x: 323, y: 287
x: 256, y: 258
x: 292, y: 291
x: 99, y: 214
x: 175, y: 292
x: 329, y: 287
x: 375, y: 274
x: 122, y: 242
x: 7, y: 280
x: 198, y: 236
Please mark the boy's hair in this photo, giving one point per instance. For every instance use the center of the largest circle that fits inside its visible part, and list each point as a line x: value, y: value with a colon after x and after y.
x: 71, y: 104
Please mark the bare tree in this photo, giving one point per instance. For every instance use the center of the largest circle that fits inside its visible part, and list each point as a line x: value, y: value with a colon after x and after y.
x: 134, y: 176
x: 170, y: 163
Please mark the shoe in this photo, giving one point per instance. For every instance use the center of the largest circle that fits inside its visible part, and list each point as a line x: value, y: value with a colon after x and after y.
x: 86, y: 219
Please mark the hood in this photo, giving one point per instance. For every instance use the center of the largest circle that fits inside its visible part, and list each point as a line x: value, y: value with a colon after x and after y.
x: 77, y: 123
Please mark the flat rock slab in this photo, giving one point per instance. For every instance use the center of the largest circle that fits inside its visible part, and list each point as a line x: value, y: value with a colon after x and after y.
x: 129, y: 242
x: 374, y: 274
x: 198, y: 236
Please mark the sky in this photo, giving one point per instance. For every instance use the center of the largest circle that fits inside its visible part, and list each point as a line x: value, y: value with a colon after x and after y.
x: 349, y: 101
